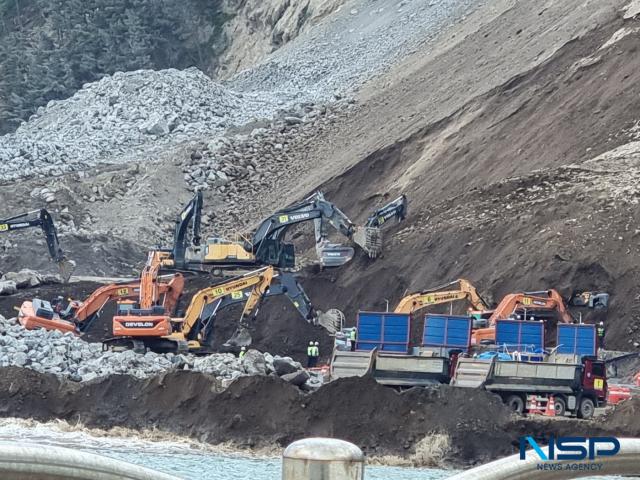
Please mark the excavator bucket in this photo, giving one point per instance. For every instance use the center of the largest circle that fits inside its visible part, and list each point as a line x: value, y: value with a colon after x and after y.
x: 334, y: 254
x: 66, y: 267
x: 240, y: 338
x: 331, y: 320
x: 370, y: 239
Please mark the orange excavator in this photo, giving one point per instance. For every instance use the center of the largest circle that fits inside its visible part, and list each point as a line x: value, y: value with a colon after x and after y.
x: 435, y: 296
x: 153, y: 328
x: 78, y: 315
x: 527, y: 304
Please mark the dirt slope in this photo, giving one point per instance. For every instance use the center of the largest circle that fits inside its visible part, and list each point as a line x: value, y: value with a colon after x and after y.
x: 563, y: 221
x: 266, y: 412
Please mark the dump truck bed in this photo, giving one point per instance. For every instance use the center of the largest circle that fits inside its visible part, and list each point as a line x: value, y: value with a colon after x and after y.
x: 517, y: 376
x: 410, y: 370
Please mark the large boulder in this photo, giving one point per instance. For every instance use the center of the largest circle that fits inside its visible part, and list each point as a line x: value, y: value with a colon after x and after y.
x: 298, y: 378
x: 254, y: 363
x: 285, y: 365
x: 24, y: 278
x: 8, y: 287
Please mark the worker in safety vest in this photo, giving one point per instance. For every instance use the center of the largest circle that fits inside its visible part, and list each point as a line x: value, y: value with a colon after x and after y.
x: 243, y: 352
x: 600, y: 331
x: 310, y: 354
x: 316, y: 353
x: 353, y: 336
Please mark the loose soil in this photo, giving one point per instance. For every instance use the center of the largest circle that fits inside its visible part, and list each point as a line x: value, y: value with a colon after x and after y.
x: 262, y: 411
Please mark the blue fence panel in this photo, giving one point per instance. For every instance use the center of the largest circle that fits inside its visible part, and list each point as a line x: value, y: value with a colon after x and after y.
x: 577, y: 339
x: 516, y: 334
x: 389, y: 332
x: 447, y: 331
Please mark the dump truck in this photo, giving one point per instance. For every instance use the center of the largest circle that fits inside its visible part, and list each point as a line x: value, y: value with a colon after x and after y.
x: 578, y: 385
x: 383, y: 350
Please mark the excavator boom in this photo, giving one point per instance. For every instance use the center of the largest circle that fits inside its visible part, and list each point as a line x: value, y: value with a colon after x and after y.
x: 397, y: 208
x: 42, y: 218
x: 79, y: 316
x: 466, y: 291
x: 147, y: 329
x: 527, y: 301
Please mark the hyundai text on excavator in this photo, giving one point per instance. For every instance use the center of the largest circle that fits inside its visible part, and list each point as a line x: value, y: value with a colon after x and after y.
x: 532, y: 304
x: 267, y: 245
x: 435, y: 296
x: 42, y: 218
x: 142, y: 329
x: 78, y: 316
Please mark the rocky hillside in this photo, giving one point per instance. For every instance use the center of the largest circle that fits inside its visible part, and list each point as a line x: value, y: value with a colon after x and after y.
x: 512, y: 130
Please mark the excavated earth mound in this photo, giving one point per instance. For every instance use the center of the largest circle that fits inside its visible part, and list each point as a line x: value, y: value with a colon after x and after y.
x: 265, y: 411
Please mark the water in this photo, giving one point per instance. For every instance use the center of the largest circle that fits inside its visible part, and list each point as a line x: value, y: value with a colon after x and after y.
x: 183, y: 459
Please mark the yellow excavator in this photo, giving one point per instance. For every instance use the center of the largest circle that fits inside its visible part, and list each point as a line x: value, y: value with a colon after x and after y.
x: 435, y: 296
x: 268, y: 245
x: 152, y: 328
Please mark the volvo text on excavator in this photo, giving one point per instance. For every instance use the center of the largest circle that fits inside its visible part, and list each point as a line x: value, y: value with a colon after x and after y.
x: 267, y: 245
x: 42, y: 219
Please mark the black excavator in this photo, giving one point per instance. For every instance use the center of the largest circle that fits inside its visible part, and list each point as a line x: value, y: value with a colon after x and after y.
x: 267, y: 245
x: 42, y: 219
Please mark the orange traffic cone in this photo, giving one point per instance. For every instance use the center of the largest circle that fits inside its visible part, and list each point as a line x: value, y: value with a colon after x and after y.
x: 550, y: 411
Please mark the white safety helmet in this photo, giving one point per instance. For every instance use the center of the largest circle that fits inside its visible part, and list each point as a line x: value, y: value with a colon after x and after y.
x: 310, y: 343
x: 243, y: 348
x: 317, y: 343
x: 601, y: 323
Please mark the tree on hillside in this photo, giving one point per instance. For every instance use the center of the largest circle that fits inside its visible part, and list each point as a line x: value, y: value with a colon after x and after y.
x: 49, y: 48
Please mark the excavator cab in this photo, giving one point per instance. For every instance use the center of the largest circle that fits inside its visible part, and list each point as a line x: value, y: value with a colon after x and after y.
x: 276, y: 253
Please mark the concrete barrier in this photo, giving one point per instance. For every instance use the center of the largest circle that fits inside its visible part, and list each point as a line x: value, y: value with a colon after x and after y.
x: 42, y: 462
x: 322, y: 459
x: 625, y: 462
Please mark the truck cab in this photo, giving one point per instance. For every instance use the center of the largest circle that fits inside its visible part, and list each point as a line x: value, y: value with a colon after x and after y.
x: 594, y: 380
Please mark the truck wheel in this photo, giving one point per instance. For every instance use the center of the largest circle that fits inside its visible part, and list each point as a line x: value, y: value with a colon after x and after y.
x: 587, y: 408
x: 561, y: 406
x: 515, y: 403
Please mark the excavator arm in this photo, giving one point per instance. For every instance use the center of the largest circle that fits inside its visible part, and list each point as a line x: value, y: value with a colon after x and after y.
x: 397, y: 208
x: 258, y: 280
x: 548, y: 300
x: 530, y: 301
x: 417, y: 301
x: 45, y: 222
x: 78, y: 316
x: 189, y: 220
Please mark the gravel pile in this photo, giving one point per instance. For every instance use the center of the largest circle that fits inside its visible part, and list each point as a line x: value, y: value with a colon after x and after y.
x: 68, y: 356
x: 106, y: 119
x: 244, y: 168
x: 124, y: 117
x: 361, y: 41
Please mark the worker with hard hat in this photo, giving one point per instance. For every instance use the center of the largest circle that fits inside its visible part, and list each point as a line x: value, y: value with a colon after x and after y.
x: 243, y: 352
x: 310, y: 354
x: 353, y: 336
x: 316, y: 353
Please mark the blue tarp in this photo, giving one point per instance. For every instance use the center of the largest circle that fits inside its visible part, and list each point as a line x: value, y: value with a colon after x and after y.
x: 577, y: 339
x: 447, y: 331
x: 389, y: 332
x: 516, y: 334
